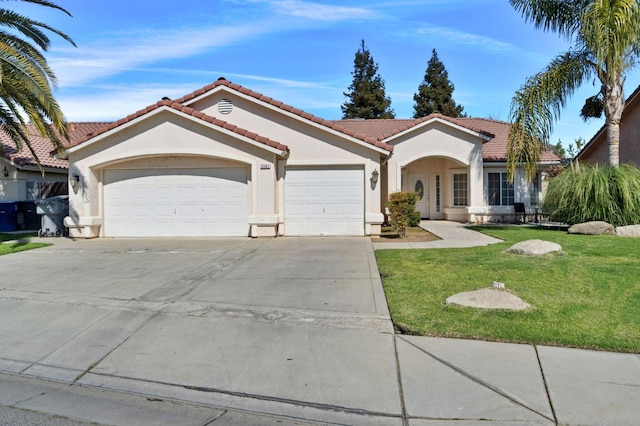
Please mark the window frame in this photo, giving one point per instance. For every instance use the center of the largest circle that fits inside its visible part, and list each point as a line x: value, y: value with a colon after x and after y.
x: 460, y: 200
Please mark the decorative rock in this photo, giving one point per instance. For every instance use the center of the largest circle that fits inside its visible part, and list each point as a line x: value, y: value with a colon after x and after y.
x: 592, y: 228
x: 628, y: 231
x: 534, y: 247
x: 488, y: 298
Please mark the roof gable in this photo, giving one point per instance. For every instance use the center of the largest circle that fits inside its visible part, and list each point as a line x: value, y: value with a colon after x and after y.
x: 333, y: 125
x: 179, y: 107
x: 495, y: 133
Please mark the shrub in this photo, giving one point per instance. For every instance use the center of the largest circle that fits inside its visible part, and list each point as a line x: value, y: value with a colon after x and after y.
x: 582, y: 193
x: 415, y: 219
x: 402, y: 206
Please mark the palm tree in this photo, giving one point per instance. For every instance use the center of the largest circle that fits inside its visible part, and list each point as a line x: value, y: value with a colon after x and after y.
x: 605, y: 36
x: 26, y: 81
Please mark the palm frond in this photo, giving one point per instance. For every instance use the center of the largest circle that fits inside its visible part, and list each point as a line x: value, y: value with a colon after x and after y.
x: 537, y: 105
x: 561, y: 16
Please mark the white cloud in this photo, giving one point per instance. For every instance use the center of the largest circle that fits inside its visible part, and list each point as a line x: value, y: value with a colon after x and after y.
x: 104, y: 58
x: 464, y: 38
x: 317, y: 11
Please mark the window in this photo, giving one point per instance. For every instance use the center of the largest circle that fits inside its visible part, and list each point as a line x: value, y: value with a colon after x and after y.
x: 460, y: 189
x: 500, y: 191
x: 535, y: 190
x: 38, y: 190
x: 437, y: 193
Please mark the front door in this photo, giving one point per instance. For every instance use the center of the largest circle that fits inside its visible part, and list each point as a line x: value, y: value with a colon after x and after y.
x: 420, y: 185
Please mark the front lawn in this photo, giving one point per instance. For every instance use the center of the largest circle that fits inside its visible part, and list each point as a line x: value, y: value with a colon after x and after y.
x: 588, y: 296
x: 15, y: 247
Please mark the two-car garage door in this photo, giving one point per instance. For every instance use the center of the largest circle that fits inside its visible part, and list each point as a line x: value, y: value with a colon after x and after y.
x: 175, y: 202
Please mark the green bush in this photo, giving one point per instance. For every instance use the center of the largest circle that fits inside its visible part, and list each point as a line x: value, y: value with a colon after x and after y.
x: 402, y: 206
x: 582, y: 193
x: 415, y: 219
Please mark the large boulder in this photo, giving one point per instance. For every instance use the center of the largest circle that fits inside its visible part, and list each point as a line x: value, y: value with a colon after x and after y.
x: 628, y: 231
x: 595, y: 227
x: 534, y: 248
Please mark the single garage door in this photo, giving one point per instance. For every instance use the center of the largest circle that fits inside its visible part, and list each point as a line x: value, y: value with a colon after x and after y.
x: 175, y: 203
x: 324, y: 201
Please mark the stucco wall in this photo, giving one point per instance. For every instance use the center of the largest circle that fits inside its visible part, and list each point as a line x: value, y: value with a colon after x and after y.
x: 166, y: 140
x: 14, y: 186
x: 310, y: 144
x: 438, y: 148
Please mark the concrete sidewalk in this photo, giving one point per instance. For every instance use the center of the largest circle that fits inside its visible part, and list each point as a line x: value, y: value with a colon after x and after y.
x: 279, y: 331
x: 451, y: 234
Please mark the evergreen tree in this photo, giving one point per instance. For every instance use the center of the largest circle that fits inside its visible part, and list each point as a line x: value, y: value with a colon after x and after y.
x: 434, y: 93
x: 366, y: 95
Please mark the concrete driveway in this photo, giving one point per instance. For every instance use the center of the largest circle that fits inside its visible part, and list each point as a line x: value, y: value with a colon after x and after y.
x: 290, y: 325
x: 228, y: 331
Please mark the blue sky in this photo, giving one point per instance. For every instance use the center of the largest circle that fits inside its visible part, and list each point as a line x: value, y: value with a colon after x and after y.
x: 132, y: 53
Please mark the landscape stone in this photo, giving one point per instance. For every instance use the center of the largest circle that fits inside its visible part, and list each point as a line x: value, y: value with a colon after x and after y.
x: 534, y: 247
x: 488, y: 298
x: 628, y: 231
x: 596, y: 227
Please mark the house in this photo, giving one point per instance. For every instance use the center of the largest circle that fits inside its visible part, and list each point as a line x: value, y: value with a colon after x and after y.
x: 597, y: 149
x: 227, y: 161
x: 20, y: 176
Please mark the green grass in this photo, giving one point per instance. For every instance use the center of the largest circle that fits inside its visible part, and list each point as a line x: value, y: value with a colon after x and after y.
x: 9, y: 248
x: 588, y: 296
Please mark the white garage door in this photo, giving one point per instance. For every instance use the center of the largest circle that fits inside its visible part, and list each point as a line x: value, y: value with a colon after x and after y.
x: 324, y: 201
x: 175, y: 203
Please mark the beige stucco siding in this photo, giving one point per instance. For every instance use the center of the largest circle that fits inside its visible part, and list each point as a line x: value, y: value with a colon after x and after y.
x: 438, y: 148
x: 14, y: 186
x: 169, y: 140
x: 309, y: 144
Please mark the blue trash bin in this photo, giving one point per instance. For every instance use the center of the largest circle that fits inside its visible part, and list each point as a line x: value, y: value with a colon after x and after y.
x: 8, y: 216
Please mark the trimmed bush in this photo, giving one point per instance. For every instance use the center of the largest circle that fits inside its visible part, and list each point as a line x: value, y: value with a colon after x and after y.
x: 402, y: 207
x: 583, y: 193
x: 415, y: 219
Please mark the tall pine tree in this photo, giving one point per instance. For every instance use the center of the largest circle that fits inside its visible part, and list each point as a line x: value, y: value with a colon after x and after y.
x: 435, y: 92
x: 366, y: 95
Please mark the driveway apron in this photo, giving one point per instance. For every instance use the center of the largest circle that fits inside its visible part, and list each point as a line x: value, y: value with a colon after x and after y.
x: 289, y: 326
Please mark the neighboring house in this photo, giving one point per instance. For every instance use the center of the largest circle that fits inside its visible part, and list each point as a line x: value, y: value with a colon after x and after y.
x: 227, y: 161
x: 597, y: 149
x: 20, y: 177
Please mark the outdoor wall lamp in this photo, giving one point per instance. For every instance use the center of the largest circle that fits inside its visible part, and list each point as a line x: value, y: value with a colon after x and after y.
x: 75, y: 179
x: 5, y: 172
x: 374, y: 176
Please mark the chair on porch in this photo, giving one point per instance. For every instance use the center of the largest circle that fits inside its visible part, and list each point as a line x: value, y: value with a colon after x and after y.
x: 518, y: 208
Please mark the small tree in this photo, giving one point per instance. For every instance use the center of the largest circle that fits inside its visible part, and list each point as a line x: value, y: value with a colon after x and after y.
x: 366, y: 95
x: 435, y: 92
x: 402, y: 206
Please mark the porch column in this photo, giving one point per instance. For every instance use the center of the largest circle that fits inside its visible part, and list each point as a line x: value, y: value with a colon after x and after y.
x: 476, y: 183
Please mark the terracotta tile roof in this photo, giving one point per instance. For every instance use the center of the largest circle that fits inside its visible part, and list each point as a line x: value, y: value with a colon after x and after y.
x: 493, y: 150
x: 189, y: 111
x: 43, y: 147
x: 334, y: 125
x: 383, y: 129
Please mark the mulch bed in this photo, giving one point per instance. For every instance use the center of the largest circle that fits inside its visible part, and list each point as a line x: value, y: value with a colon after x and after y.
x: 414, y: 235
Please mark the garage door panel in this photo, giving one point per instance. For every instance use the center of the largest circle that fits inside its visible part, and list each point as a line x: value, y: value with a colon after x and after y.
x: 324, y: 201
x: 199, y: 202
